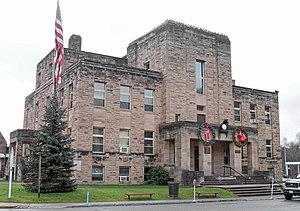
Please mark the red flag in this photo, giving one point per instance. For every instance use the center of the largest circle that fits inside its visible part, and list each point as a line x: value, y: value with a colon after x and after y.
x: 207, y: 134
x: 241, y: 136
x: 59, y: 47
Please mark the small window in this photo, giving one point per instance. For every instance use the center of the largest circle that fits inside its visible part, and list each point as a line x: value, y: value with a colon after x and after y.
x: 269, y: 149
x: 98, y: 137
x: 149, y: 100
x: 201, y: 119
x: 97, y: 173
x: 268, y: 115
x: 148, y: 143
x: 125, y: 97
x: 200, y: 108
x: 99, y: 94
x: 177, y: 117
x: 147, y: 66
x: 237, y: 111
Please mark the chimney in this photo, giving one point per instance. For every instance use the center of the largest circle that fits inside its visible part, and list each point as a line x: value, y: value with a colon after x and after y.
x: 75, y: 42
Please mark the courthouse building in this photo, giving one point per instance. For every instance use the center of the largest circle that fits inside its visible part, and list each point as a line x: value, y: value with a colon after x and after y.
x: 170, y: 101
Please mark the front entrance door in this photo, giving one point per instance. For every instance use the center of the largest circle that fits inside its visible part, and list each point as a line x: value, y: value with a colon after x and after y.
x: 196, y: 158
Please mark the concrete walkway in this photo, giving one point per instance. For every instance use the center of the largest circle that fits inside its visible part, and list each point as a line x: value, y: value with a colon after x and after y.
x: 4, y: 205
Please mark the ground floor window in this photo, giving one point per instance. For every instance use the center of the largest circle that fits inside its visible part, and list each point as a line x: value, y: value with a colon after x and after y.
x: 97, y: 173
x: 124, y: 173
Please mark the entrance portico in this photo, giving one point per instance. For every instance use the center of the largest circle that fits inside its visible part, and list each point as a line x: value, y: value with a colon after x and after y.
x: 183, y: 151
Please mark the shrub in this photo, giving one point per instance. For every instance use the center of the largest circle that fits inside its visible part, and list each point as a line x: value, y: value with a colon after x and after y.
x: 157, y: 176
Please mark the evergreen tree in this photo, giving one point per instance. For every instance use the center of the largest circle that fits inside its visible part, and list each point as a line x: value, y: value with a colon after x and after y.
x: 57, y: 155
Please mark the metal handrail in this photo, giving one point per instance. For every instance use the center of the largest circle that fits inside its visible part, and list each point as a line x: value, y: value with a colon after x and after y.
x: 234, y: 171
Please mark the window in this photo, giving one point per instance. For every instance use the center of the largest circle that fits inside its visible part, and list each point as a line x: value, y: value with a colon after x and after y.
x: 177, y: 117
x: 268, y: 115
x: 71, y: 95
x: 61, y: 93
x: 199, y: 76
x: 125, y: 97
x: 97, y: 173
x: 124, y: 141
x: 147, y: 66
x: 149, y: 100
x: 98, y: 137
x: 269, y: 149
x: 99, y: 94
x: 39, y: 79
x: 237, y: 111
x: 253, y: 112
x: 124, y: 173
x: 200, y: 108
x: 200, y: 119
x: 148, y: 142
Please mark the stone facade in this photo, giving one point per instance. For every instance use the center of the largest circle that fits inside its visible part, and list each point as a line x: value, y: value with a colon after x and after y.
x: 3, y: 157
x: 163, y: 61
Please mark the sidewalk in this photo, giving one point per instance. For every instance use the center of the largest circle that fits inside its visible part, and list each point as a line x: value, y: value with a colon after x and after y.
x: 131, y: 203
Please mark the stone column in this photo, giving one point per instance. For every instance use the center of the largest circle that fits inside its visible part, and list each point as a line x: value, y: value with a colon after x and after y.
x: 235, y: 157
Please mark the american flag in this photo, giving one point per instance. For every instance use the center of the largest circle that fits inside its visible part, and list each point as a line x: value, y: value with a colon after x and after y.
x: 59, y: 47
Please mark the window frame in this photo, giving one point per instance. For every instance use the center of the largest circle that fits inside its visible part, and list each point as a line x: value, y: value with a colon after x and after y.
x: 268, y: 115
x: 102, y: 91
x: 122, y: 137
x: 146, y: 105
x: 199, y: 76
x: 239, y: 111
x: 149, y: 139
x: 71, y: 95
x: 98, y: 144
x: 124, y: 174
x: 253, y: 116
x: 269, y: 149
x: 125, y: 95
x: 102, y: 173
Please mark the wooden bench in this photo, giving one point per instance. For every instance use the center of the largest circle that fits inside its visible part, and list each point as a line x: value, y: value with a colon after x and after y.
x: 207, y: 193
x: 139, y: 194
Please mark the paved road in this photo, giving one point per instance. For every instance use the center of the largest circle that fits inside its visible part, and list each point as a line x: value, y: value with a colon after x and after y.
x: 249, y: 205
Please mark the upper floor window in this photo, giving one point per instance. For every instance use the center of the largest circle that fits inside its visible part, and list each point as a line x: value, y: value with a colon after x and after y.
x: 99, y: 94
x: 71, y: 95
x: 125, y: 97
x: 269, y: 149
x: 98, y: 137
x: 149, y: 100
x: 39, y: 79
x: 268, y: 115
x: 253, y: 112
x: 201, y: 119
x: 147, y: 66
x: 200, y: 108
x: 199, y: 76
x: 124, y: 141
x: 237, y: 111
x: 97, y: 173
x: 148, y: 142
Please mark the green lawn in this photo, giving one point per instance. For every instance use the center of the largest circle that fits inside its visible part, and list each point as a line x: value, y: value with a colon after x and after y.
x: 100, y: 193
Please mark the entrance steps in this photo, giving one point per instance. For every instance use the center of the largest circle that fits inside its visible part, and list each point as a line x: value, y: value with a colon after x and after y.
x: 247, y: 186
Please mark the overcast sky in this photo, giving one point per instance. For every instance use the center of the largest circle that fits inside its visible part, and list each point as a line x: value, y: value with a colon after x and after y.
x: 264, y: 35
